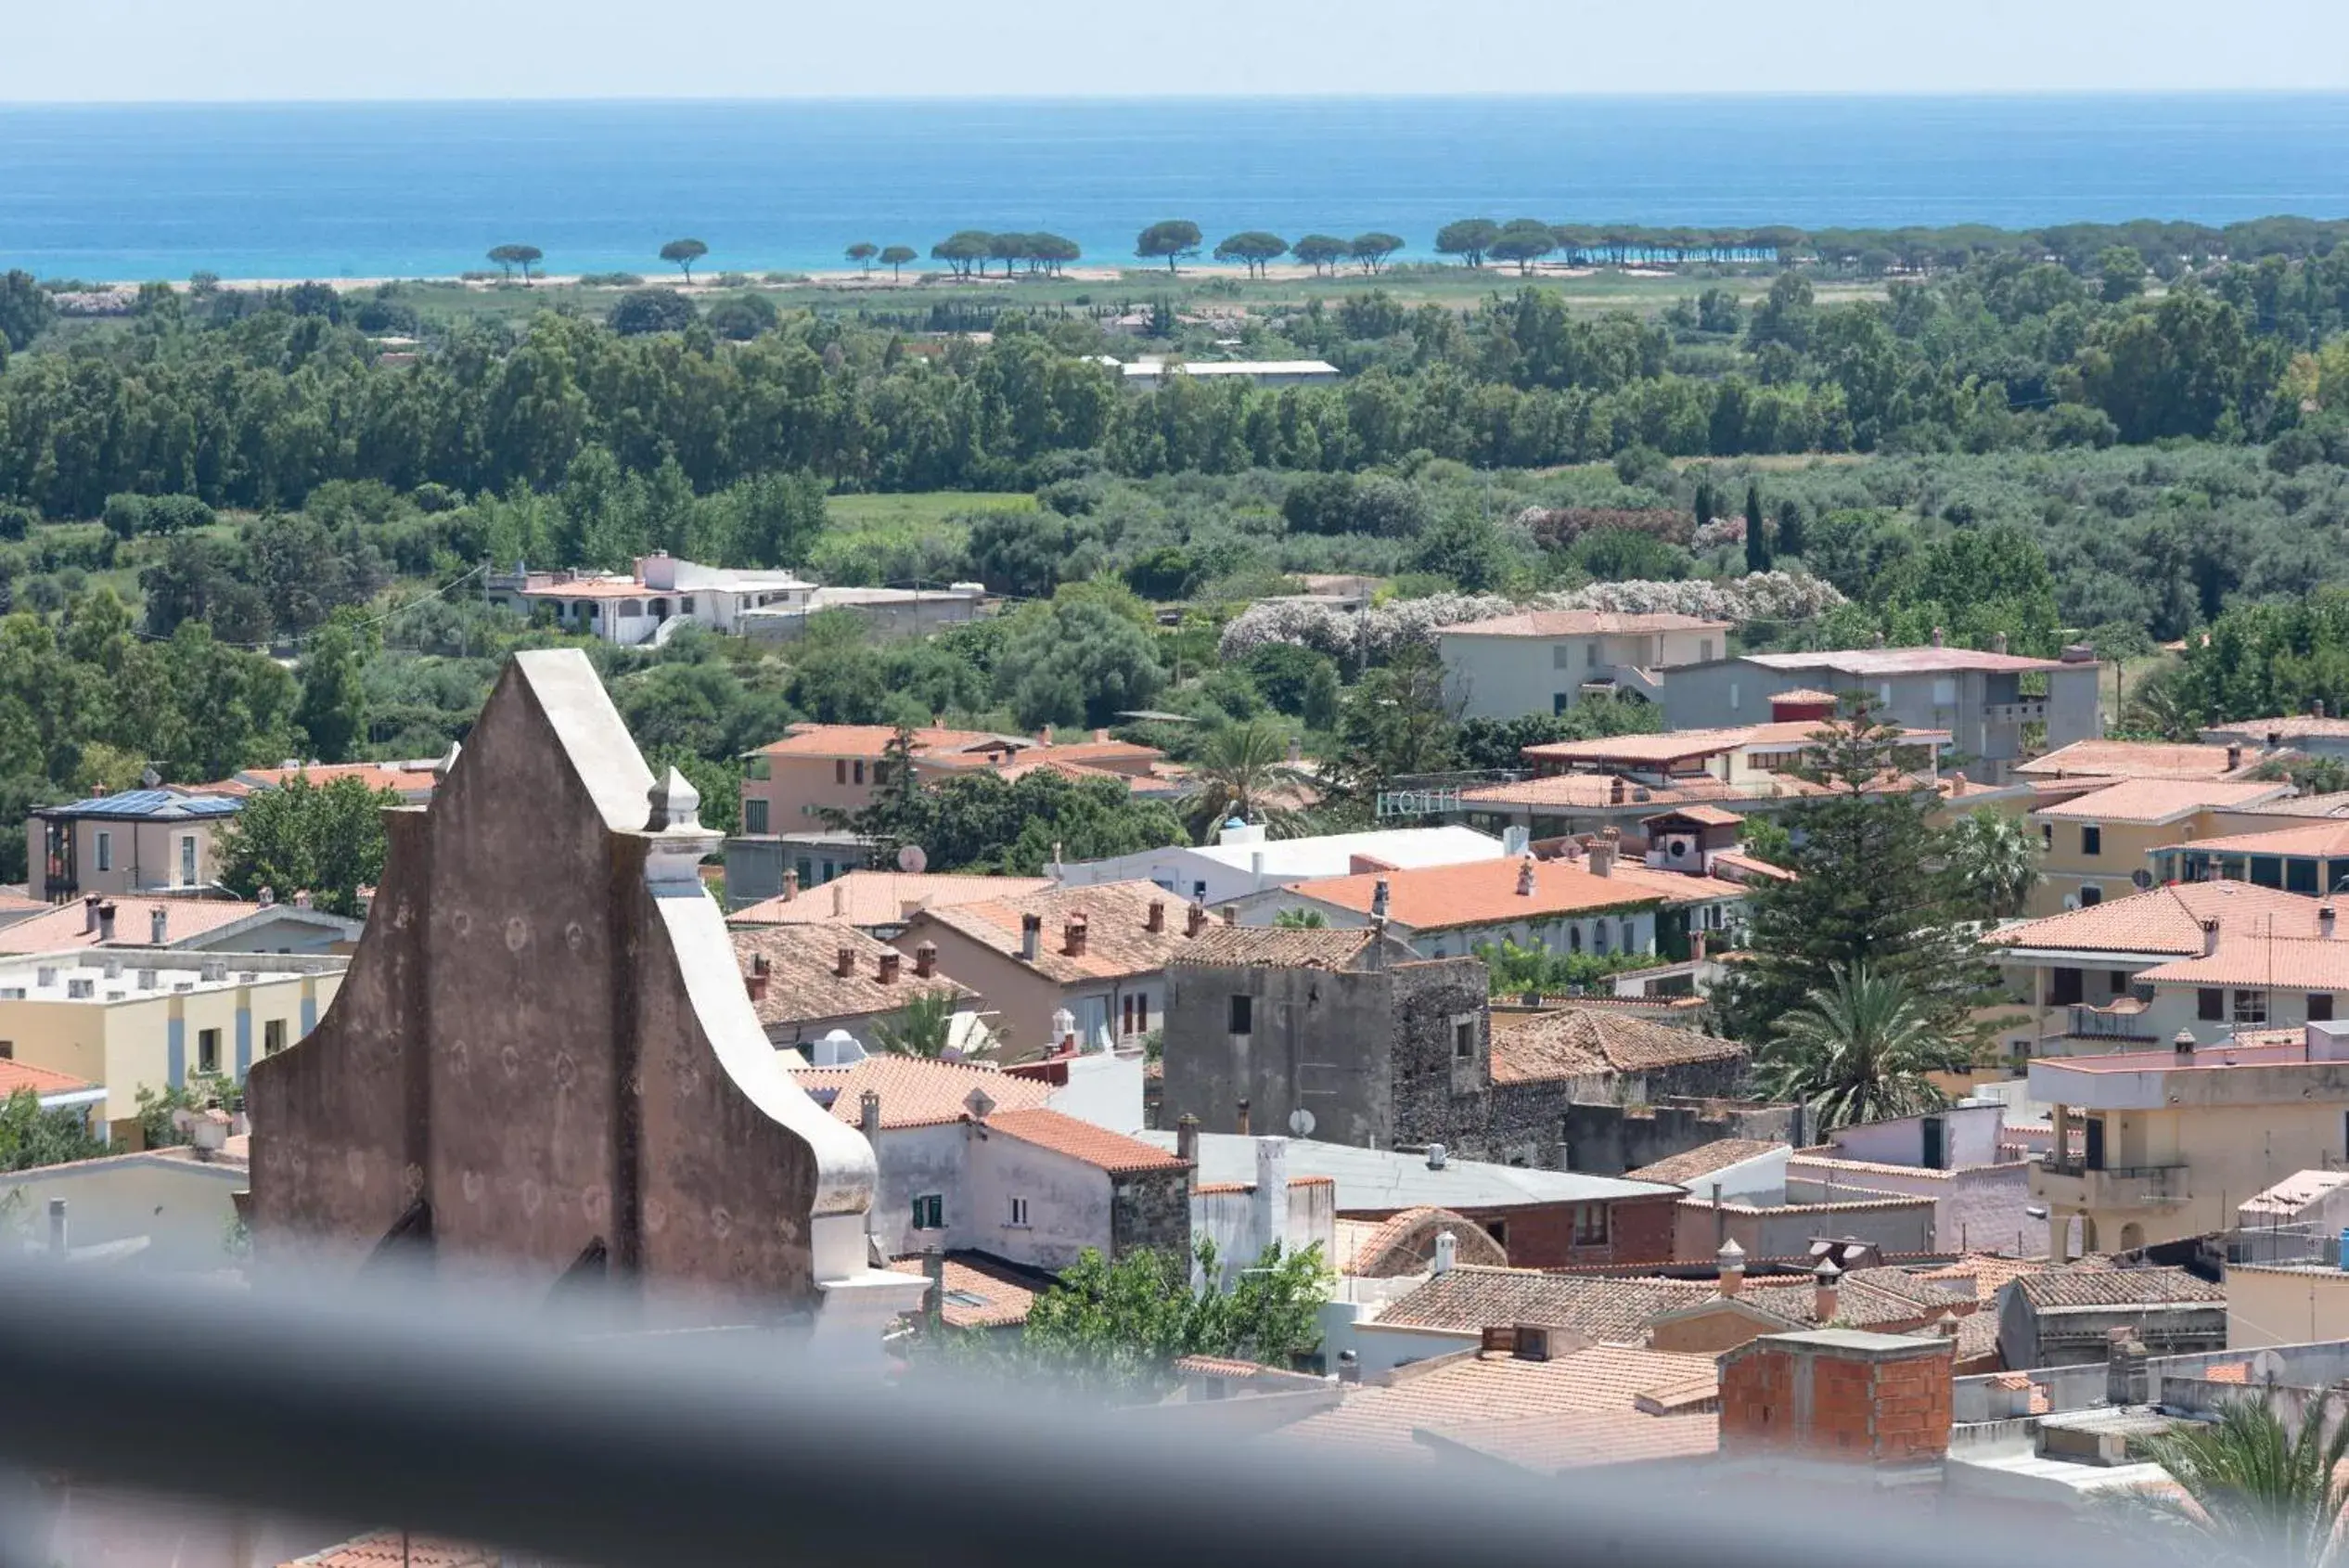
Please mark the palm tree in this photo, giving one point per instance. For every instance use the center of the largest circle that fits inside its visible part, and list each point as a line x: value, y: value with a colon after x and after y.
x: 924, y: 1026
x: 1244, y: 771
x: 1857, y: 1051
x: 1995, y: 859
x: 2161, y: 708
x: 2257, y: 1489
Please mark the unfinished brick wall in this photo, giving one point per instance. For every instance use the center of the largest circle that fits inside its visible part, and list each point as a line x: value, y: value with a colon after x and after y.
x: 1839, y: 1396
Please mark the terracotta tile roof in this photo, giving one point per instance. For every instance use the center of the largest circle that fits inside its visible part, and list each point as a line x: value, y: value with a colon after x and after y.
x: 1548, y: 1443
x: 1474, y: 1389
x: 870, y: 740
x: 2333, y: 804
x: 2128, y: 759
x: 1224, y: 947
x: 410, y: 781
x: 2011, y: 1382
x: 1738, y: 861
x: 2318, y: 839
x: 1989, y: 1272
x: 1096, y: 1146
x: 1709, y: 816
x: 2232, y: 1371
x: 18, y: 904
x: 2087, y: 1289
x: 1484, y: 892
x: 392, y: 1549
x: 1575, y: 1043
x: 2166, y: 920
x: 134, y: 922
x: 1593, y: 790
x: 1691, y: 1166
x: 1468, y: 1299
x: 1977, y: 1334
x: 42, y: 1081
x: 1218, y: 1367
x: 1580, y: 624
x: 1906, y: 660
x: 915, y: 1092
x: 2158, y: 801
x: 2284, y: 727
x: 803, y: 981
x: 2293, y: 1193
x: 2252, y: 958
x: 1097, y: 758
x: 997, y: 1295
x: 1379, y: 1250
x: 880, y: 898
x: 1118, y: 939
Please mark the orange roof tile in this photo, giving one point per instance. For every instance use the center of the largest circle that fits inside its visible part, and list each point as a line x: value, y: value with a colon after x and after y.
x: 915, y: 1092
x: 1118, y: 939
x: 134, y: 922
x: 1593, y: 790
x: 1693, y: 1165
x: 398, y: 1549
x: 2284, y: 727
x: 1580, y: 624
x: 1096, y: 1145
x: 2232, y: 1371
x: 2158, y: 801
x: 409, y: 780
x: 1489, y: 1387
x: 880, y: 898
x: 997, y: 1295
x: 1575, y: 1043
x: 2254, y: 958
x: 2166, y: 920
x: 1709, y: 816
x: 1678, y: 745
x: 1484, y: 892
x: 42, y: 1081
x: 872, y: 740
x: 2128, y: 759
x: 803, y: 981
x: 2317, y: 838
x: 1223, y: 947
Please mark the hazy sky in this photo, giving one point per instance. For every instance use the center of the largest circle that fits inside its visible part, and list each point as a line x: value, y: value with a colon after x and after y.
x: 276, y: 50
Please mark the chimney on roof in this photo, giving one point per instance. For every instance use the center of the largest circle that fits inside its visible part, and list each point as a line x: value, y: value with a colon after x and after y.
x: 845, y: 961
x: 1525, y: 877
x: 105, y: 921
x: 1073, y: 935
x: 266, y: 897
x: 1447, y: 1251
x: 925, y: 960
x: 2325, y: 920
x: 159, y: 926
x: 1380, y: 893
x: 2182, y: 1044
x: 1155, y: 922
x: 1030, y: 936
x: 1947, y: 1325
x: 791, y: 884
x: 1876, y: 641
x: 1195, y: 918
x: 1730, y: 1260
x: 1044, y: 736
x: 933, y: 1298
x: 2234, y: 758
x: 89, y: 913
x: 1296, y: 749
x: 1231, y: 915
x: 755, y: 983
x: 840, y: 897
x: 1602, y: 852
x: 2127, y: 1377
x: 302, y: 898
x: 1824, y: 1295
x: 869, y: 1112
x: 1187, y: 1145
x: 1937, y: 636
x: 1242, y: 1122
x: 1615, y: 790
x: 2317, y: 708
x: 1998, y: 642
x: 1437, y: 1155
x: 890, y: 964
x: 2275, y: 739
x: 2210, y: 936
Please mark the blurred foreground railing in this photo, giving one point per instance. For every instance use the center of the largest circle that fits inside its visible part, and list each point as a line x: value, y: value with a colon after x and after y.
x: 428, y: 1408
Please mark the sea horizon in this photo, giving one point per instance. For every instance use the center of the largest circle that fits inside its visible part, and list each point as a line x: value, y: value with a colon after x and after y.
x: 423, y: 188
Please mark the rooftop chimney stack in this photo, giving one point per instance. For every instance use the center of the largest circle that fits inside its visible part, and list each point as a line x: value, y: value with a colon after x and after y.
x: 89, y: 913
x: 1447, y: 1251
x: 159, y: 926
x: 890, y: 964
x: 925, y: 961
x: 1603, y: 850
x: 868, y: 1114
x: 1998, y: 642
x: 2234, y: 758
x: 791, y: 884
x: 2183, y: 1044
x: 1073, y: 936
x: 2210, y: 936
x: 2316, y: 709
x: 302, y: 898
x: 105, y: 921
x: 1242, y: 1123
x: 1155, y: 922
x: 2127, y: 1378
x: 844, y: 962
x: 755, y: 983
x: 1379, y: 893
x: 1195, y: 918
x: 1937, y: 636
x: 2325, y: 920
x: 1187, y: 1145
x: 265, y: 897
x: 1825, y: 1297
x: 1525, y: 877
x: 1731, y: 1259
x: 1030, y: 936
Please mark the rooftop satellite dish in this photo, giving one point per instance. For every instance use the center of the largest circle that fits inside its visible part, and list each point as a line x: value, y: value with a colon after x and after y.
x: 1300, y: 1122
x: 912, y: 860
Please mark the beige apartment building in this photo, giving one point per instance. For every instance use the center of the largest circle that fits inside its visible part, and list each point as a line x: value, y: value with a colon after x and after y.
x: 792, y: 784
x: 2155, y: 1145
x: 2098, y: 846
x: 153, y: 1020
x: 1545, y: 661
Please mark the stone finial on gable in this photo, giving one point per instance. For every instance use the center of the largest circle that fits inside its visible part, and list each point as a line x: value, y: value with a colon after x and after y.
x: 447, y: 765
x: 676, y: 805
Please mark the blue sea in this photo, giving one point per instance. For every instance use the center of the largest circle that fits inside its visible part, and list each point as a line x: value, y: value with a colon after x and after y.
x: 362, y: 190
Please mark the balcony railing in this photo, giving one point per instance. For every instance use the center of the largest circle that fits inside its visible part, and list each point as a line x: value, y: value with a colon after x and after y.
x: 2124, y: 1020
x: 2073, y: 1183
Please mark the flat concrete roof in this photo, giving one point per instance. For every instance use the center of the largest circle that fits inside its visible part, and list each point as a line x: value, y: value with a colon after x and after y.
x: 1383, y: 1180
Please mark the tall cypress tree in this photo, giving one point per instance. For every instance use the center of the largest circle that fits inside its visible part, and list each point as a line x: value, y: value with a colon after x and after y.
x: 1757, y: 531
x: 1789, y: 540
x: 1706, y: 502
x: 1871, y: 888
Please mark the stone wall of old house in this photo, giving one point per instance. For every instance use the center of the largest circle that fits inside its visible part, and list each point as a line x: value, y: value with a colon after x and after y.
x: 1151, y: 1209
x: 1316, y: 1041
x: 1440, y: 1094
x: 543, y: 1053
x: 1608, y: 1140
